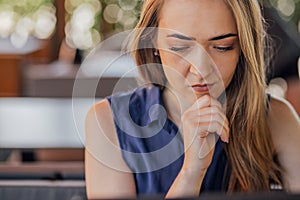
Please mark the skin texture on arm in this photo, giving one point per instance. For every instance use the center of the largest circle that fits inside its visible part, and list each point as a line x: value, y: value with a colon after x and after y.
x: 285, y: 129
x: 200, y: 123
x: 107, y: 175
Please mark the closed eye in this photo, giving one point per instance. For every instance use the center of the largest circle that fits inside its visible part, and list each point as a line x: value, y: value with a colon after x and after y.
x: 178, y: 48
x: 223, y: 49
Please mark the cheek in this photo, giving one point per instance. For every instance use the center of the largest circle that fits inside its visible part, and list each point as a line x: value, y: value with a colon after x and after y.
x: 226, y: 70
x: 173, y: 62
x: 175, y: 69
x: 227, y: 77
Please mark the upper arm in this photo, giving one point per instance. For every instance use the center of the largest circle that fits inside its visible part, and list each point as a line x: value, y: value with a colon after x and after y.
x: 107, y: 174
x: 285, y: 129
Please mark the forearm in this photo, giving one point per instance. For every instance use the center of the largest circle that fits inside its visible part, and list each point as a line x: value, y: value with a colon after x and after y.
x: 187, y: 183
x: 200, y: 123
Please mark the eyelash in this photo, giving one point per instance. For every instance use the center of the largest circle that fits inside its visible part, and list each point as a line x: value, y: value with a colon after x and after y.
x: 220, y: 49
x: 178, y: 48
x: 224, y: 49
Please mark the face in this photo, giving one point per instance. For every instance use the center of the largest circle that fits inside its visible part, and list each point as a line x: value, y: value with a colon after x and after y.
x: 198, y: 46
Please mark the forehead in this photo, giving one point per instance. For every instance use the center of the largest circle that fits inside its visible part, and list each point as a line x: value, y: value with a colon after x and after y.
x: 197, y: 18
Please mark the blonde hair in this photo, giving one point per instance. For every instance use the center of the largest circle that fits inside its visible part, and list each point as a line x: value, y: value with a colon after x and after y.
x: 250, y: 149
x: 143, y: 47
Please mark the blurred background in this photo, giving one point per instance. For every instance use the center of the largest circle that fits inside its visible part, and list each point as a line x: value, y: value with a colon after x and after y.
x: 42, y: 46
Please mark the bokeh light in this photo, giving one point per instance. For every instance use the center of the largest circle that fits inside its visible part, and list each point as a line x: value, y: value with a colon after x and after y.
x: 25, y: 25
x: 7, y: 18
x: 128, y: 4
x: 21, y: 19
x: 289, y: 10
x: 19, y: 39
x: 86, y: 20
x: 128, y: 20
x: 80, y: 29
x: 83, y: 17
x: 45, y: 21
x: 286, y: 7
x: 112, y: 13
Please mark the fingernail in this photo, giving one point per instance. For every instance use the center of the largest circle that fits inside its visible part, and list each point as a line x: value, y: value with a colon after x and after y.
x: 225, y: 139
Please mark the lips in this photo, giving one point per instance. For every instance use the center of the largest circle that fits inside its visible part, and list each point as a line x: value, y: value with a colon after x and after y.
x: 201, y: 88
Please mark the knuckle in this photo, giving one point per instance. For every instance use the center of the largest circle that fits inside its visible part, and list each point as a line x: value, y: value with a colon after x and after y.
x: 215, y: 110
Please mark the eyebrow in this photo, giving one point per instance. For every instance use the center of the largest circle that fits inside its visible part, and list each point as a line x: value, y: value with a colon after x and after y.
x: 220, y: 37
x: 223, y: 36
x: 182, y: 37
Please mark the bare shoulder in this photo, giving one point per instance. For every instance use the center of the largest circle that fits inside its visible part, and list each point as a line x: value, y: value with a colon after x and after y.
x: 284, y: 124
x: 97, y: 110
x: 101, y: 137
x: 100, y: 119
x: 281, y: 108
x: 105, y: 168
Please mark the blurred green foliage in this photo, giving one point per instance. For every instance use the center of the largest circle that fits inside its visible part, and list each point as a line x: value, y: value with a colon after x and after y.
x: 24, y: 7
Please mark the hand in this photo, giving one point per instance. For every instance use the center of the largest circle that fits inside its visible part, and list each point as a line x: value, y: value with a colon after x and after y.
x: 200, y: 123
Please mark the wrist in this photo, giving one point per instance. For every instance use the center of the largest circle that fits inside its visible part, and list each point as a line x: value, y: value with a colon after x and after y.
x: 192, y: 165
x: 193, y: 172
x: 192, y: 178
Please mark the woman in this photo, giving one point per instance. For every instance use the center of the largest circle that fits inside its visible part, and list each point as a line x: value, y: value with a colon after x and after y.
x: 197, y: 48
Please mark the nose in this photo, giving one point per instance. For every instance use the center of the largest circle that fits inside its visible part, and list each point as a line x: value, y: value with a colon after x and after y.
x: 200, y: 62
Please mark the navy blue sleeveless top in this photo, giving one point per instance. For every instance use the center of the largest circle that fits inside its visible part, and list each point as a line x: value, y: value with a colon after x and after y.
x: 152, y: 146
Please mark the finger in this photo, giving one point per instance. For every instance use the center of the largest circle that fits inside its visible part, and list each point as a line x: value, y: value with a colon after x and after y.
x: 207, y: 100
x: 204, y: 128
x: 209, y: 116
x: 203, y: 133
x: 203, y: 101
x: 212, y: 113
x: 216, y: 103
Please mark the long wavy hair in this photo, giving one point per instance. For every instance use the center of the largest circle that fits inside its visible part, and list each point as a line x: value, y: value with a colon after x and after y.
x: 250, y: 150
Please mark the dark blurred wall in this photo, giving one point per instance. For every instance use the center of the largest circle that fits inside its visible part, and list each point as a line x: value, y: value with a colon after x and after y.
x: 286, y: 48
